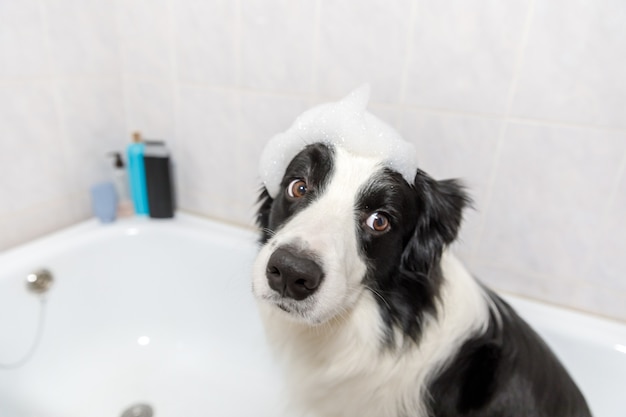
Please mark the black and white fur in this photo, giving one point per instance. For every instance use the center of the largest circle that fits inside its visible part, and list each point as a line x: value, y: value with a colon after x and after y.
x: 387, y: 323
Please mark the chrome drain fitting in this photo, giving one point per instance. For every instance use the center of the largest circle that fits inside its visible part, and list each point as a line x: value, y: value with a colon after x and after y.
x: 39, y: 281
x: 138, y: 410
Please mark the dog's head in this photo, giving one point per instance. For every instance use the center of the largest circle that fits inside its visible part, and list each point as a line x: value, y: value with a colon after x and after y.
x: 340, y: 224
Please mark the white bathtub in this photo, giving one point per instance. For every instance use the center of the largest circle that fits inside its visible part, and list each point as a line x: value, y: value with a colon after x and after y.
x: 160, y: 312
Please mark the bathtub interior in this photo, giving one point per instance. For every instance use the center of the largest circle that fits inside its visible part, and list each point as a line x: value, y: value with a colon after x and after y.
x: 592, y: 349
x: 118, y: 333
x: 160, y: 312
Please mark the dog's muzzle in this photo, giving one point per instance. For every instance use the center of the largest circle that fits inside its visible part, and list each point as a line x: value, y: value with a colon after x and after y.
x: 293, y: 273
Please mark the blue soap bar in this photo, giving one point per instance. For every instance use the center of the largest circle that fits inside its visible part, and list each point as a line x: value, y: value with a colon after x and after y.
x: 104, y: 201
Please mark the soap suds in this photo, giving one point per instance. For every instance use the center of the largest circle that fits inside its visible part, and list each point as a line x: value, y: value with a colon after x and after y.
x: 346, y: 124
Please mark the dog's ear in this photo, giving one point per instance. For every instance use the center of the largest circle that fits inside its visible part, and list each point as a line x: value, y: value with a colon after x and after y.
x: 263, y: 213
x: 439, y: 214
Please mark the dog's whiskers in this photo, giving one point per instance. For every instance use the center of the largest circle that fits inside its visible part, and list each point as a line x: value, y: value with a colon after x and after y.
x: 379, y: 295
x: 269, y: 232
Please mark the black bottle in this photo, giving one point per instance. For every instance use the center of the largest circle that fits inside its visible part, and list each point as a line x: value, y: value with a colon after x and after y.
x: 158, y: 180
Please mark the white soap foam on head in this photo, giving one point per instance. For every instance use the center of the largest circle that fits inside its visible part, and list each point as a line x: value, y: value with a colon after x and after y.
x: 346, y: 124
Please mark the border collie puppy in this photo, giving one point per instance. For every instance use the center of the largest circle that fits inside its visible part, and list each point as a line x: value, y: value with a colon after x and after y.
x: 361, y: 300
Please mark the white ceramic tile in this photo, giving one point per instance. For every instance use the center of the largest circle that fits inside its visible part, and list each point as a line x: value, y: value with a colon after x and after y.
x: 602, y: 300
x: 573, y: 67
x: 81, y: 205
x: 8, y: 237
x: 390, y: 114
x: 145, y: 28
x: 463, y: 54
x: 93, y: 118
x: 362, y: 42
x: 83, y: 37
x: 38, y: 220
x: 277, y: 45
x: 263, y: 116
x: 452, y: 146
x: 561, y: 291
x: 551, y: 189
x: 608, y: 265
x: 151, y: 109
x: 208, y: 205
x: 207, y: 143
x: 206, y: 41
x: 31, y: 151
x: 22, y: 48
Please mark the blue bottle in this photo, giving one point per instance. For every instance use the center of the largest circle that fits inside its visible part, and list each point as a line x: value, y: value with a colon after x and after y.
x: 137, y: 175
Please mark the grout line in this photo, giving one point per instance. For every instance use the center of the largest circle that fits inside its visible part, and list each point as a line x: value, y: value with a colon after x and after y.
x: 571, y: 280
x: 519, y: 59
x: 407, y: 64
x: 409, y: 51
x: 488, y: 199
x: 11, y: 80
x: 249, y: 227
x: 179, y: 140
x: 123, y: 66
x: 237, y: 90
x: 566, y: 125
x: 620, y: 177
x: 59, y: 208
x: 52, y: 82
x: 396, y: 106
x: 173, y: 82
x: 239, y: 146
x: 475, y: 243
x: 238, y: 42
x: 575, y: 284
x: 222, y: 202
x: 605, y: 215
x: 42, y: 205
x: 307, y: 96
x: 316, y: 52
x: 506, y: 268
x: 438, y: 111
x: 574, y: 306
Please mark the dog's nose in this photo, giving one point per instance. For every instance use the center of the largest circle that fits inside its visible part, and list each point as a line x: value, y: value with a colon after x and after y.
x: 293, y: 274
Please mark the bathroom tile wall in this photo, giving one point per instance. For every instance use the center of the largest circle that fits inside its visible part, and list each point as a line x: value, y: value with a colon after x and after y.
x: 61, y: 110
x: 524, y: 99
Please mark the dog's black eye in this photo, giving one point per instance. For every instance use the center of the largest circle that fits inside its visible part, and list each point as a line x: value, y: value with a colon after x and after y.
x: 378, y: 222
x: 297, y: 188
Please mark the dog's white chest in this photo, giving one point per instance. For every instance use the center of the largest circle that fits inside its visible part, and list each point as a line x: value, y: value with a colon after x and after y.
x: 338, y: 370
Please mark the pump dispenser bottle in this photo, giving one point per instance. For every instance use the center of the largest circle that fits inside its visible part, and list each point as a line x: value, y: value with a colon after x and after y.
x: 120, y: 180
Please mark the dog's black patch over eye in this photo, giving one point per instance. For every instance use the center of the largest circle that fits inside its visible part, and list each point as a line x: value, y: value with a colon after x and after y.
x: 387, y: 208
x: 304, y: 179
x: 403, y: 262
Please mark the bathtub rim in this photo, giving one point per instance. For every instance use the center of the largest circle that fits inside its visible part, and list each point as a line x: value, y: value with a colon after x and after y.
x: 92, y: 230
